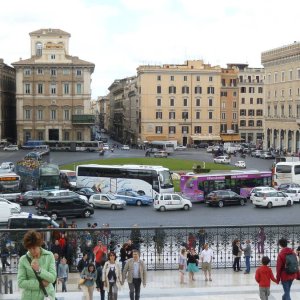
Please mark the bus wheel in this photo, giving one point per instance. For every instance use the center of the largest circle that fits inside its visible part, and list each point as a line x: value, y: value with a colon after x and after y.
x: 220, y: 203
x: 142, y: 193
x: 113, y: 207
x: 162, y: 208
x: 186, y: 207
x: 139, y: 203
x: 30, y: 202
x: 270, y: 205
x: 87, y: 213
x: 289, y: 203
x: 54, y: 216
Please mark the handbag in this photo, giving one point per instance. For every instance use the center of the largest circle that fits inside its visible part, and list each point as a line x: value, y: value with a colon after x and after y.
x: 81, y: 281
x: 39, y: 280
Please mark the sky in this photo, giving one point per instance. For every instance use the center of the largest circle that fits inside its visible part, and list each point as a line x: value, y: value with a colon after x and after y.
x: 119, y: 35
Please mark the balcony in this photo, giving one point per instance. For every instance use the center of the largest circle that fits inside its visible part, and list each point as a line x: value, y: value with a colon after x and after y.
x: 83, y: 119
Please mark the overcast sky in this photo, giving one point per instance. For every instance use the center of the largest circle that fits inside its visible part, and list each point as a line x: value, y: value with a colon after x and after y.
x: 119, y: 35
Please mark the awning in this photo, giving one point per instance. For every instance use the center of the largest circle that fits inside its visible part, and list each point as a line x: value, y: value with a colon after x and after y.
x: 231, y: 138
x: 205, y: 137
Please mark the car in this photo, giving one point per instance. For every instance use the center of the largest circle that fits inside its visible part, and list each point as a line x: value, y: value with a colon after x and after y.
x: 33, y: 155
x: 64, y: 206
x: 15, y: 208
x: 210, y: 149
x: 266, y: 155
x: 286, y: 186
x: 105, y: 147
x: 29, y: 220
x: 294, y: 193
x: 222, y: 160
x: 161, y: 154
x: 167, y: 201
x: 106, y: 201
x: 260, y: 189
x: 223, y: 197
x: 11, y: 148
x: 31, y: 197
x: 134, y: 198
x: 64, y: 193
x: 256, y: 153
x: 201, y: 145
x: 240, y: 164
x: 125, y: 147
x: 151, y: 151
x: 180, y: 148
x: 271, y: 198
x: 87, y: 192
x: 7, y: 166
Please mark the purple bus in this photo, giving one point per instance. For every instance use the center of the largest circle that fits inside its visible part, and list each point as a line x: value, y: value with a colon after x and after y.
x: 196, y: 187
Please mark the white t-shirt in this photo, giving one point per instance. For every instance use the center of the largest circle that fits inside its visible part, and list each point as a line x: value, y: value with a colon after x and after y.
x: 207, y: 255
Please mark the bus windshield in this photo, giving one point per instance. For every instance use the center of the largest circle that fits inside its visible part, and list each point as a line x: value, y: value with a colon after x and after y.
x: 283, y: 169
x: 165, y: 179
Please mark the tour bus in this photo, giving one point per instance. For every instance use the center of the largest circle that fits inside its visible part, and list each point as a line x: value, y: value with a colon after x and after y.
x: 9, y: 186
x: 286, y: 172
x: 69, y: 178
x: 196, y: 187
x: 89, y: 146
x: 146, y: 180
x: 168, y: 146
x: 31, y: 144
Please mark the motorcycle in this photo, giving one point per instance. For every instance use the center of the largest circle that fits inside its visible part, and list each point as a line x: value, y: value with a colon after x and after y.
x: 112, y: 150
x: 101, y: 152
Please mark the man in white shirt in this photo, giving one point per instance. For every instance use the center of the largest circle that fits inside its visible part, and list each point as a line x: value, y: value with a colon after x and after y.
x: 206, y: 259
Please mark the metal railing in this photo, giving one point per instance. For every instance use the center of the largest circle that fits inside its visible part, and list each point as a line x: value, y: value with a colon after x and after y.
x: 160, y: 246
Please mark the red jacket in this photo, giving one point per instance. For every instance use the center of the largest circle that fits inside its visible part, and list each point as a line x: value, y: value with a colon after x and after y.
x: 264, y: 275
x: 280, y: 266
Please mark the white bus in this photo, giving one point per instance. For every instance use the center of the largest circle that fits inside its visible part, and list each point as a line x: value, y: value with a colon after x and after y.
x: 146, y: 180
x: 9, y: 186
x: 286, y: 172
x: 80, y: 146
x: 168, y: 146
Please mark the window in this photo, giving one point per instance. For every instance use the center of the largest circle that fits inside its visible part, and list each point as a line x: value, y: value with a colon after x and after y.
x: 269, y: 78
x: 66, y: 88
x: 242, y: 112
x: 275, y: 110
x: 234, y: 116
x: 66, y: 135
x: 234, y: 104
x: 282, y: 110
x: 210, y: 78
x: 158, y: 129
x: 78, y: 88
x: 223, y: 116
x: 158, y: 102
x: 66, y: 114
x: 251, y: 100
x: 185, y: 89
x: 197, y: 115
x: 259, y: 101
x: 184, y: 78
x: 197, y: 129
x: 40, y: 135
x: 210, y: 115
x: 40, y: 88
x: 52, y: 56
x: 172, y: 89
x: 66, y: 71
x: 223, y: 127
x: 223, y: 105
x: 39, y: 71
x: 172, y: 102
x: 79, y: 136
x: 243, y: 123
x: 38, y: 49
x: 198, y: 90
x: 251, y: 89
x: 158, y: 78
x: 27, y: 88
x: 185, y: 115
x: 250, y: 112
x: 78, y: 72
x: 243, y: 89
x: 269, y: 111
x: 198, y: 102
x: 185, y: 102
x: 210, y: 102
x: 210, y: 129
x: 282, y: 93
x: 290, y: 92
x: 234, y: 94
x: 185, y: 129
x: 223, y: 94
x: 158, y: 89
x: 291, y: 75
x: 53, y: 89
x: 27, y: 72
x: 210, y: 90
x: 275, y: 77
x: 27, y: 114
x: 40, y: 115
x: 251, y: 123
x: 259, y: 112
x: 172, y: 115
x: 158, y: 115
x: 53, y: 72
x: 282, y: 76
x: 53, y: 114
x: 290, y: 110
x: 172, y: 129
x: 259, y: 123
x: 172, y: 78
x: 243, y: 101
x: 198, y: 78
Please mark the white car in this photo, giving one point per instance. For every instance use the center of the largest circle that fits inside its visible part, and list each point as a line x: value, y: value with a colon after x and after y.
x: 105, y: 147
x: 125, y: 147
x: 15, y: 208
x: 260, y: 189
x: 209, y: 149
x: 240, y: 164
x: 161, y: 154
x: 180, y: 147
x: 222, y: 160
x: 271, y: 198
x: 8, y: 166
x: 294, y: 193
x: 165, y: 202
x: 11, y: 148
x: 106, y: 201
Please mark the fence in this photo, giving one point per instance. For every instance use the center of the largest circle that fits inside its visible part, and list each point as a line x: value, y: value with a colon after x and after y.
x: 159, y: 246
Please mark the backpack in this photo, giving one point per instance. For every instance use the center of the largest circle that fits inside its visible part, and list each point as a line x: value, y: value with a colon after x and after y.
x: 291, y: 263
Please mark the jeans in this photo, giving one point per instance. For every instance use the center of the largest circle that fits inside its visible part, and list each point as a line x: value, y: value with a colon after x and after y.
x: 135, y: 288
x: 286, y: 289
x: 247, y: 261
x: 63, y: 284
x: 236, y: 263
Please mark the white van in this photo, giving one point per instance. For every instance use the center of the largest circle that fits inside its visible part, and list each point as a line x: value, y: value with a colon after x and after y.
x: 165, y: 202
x: 5, y: 212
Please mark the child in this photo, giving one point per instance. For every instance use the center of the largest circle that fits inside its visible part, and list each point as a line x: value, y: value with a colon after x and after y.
x: 263, y: 276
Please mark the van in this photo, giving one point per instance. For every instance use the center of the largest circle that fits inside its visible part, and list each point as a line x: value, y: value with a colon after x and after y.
x: 5, y: 212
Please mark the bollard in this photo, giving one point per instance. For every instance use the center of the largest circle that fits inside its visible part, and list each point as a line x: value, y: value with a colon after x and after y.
x: 10, y: 286
x: 5, y: 284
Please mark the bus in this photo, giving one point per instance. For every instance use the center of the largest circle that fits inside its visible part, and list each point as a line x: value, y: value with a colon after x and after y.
x: 197, y: 186
x: 286, y: 172
x: 9, y: 186
x: 146, y: 180
x: 31, y: 144
x: 74, y: 146
x: 168, y: 146
x: 68, y: 178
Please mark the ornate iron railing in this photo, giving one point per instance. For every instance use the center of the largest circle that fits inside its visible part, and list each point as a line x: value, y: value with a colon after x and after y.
x: 160, y: 246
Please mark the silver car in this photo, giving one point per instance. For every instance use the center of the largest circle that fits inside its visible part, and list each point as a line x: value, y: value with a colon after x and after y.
x: 106, y: 201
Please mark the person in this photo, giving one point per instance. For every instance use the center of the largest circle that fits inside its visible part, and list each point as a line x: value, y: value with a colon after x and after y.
x: 281, y: 274
x: 182, y: 261
x: 99, y: 283
x: 159, y: 240
x: 263, y: 277
x: 83, y: 262
x: 4, y: 256
x: 135, y: 272
x: 123, y: 255
x: 136, y: 237
x: 206, y: 259
x: 36, y: 263
x: 202, y: 237
x: 191, y: 241
x: 56, y: 260
x: 89, y: 274
x: 100, y: 252
x: 192, y: 263
x: 237, y: 253
x: 112, y: 276
x: 247, y: 253
x: 261, y: 237
x: 63, y: 273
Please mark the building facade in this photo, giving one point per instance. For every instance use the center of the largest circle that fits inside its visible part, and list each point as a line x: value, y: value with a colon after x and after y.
x: 53, y: 91
x: 7, y: 102
x: 282, y: 98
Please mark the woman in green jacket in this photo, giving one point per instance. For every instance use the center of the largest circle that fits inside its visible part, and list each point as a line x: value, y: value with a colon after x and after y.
x: 42, y: 261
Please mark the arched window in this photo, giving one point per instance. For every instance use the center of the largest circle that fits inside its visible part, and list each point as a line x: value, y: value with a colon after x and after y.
x: 38, y: 49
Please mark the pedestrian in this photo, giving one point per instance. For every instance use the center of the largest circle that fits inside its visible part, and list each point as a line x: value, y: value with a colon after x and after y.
x: 124, y: 254
x: 99, y: 283
x: 4, y: 256
x: 100, y: 253
x: 182, y: 262
x: 283, y: 273
x: 89, y: 274
x: 191, y: 241
x: 63, y: 274
x: 36, y: 269
x: 135, y: 237
x: 247, y: 254
x: 136, y: 274
x: 261, y: 237
x: 159, y: 239
x: 206, y: 259
x: 202, y: 237
x: 83, y: 262
x: 237, y: 253
x: 263, y: 277
x: 56, y: 259
x: 192, y: 263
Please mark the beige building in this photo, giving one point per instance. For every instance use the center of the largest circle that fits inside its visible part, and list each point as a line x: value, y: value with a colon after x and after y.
x: 282, y: 97
x: 103, y: 110
x: 7, y: 102
x: 179, y: 102
x: 53, y: 91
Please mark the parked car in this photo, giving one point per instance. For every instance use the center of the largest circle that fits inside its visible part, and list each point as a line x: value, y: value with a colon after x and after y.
x: 224, y: 197
x: 201, y: 145
x: 11, y: 148
x: 87, y: 192
x: 125, y: 147
x: 165, y: 202
x: 240, y: 164
x: 260, y: 189
x: 286, y: 186
x: 161, y: 154
x: 134, y: 198
x: 271, y: 198
x: 15, y: 208
x: 209, y: 149
x: 65, y: 193
x: 222, y: 160
x: 294, y: 193
x: 256, y: 153
x: 266, y: 155
x: 31, y: 197
x: 180, y: 147
x: 64, y: 206
x: 106, y: 201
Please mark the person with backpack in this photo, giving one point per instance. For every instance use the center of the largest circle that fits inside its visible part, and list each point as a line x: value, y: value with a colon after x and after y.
x: 286, y: 268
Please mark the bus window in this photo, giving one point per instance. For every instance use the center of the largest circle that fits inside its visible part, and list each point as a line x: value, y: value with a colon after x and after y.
x: 297, y: 170
x: 283, y: 169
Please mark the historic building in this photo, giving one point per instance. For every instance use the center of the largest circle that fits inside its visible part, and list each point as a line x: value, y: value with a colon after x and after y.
x: 53, y: 91
x: 7, y: 102
x: 282, y: 97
